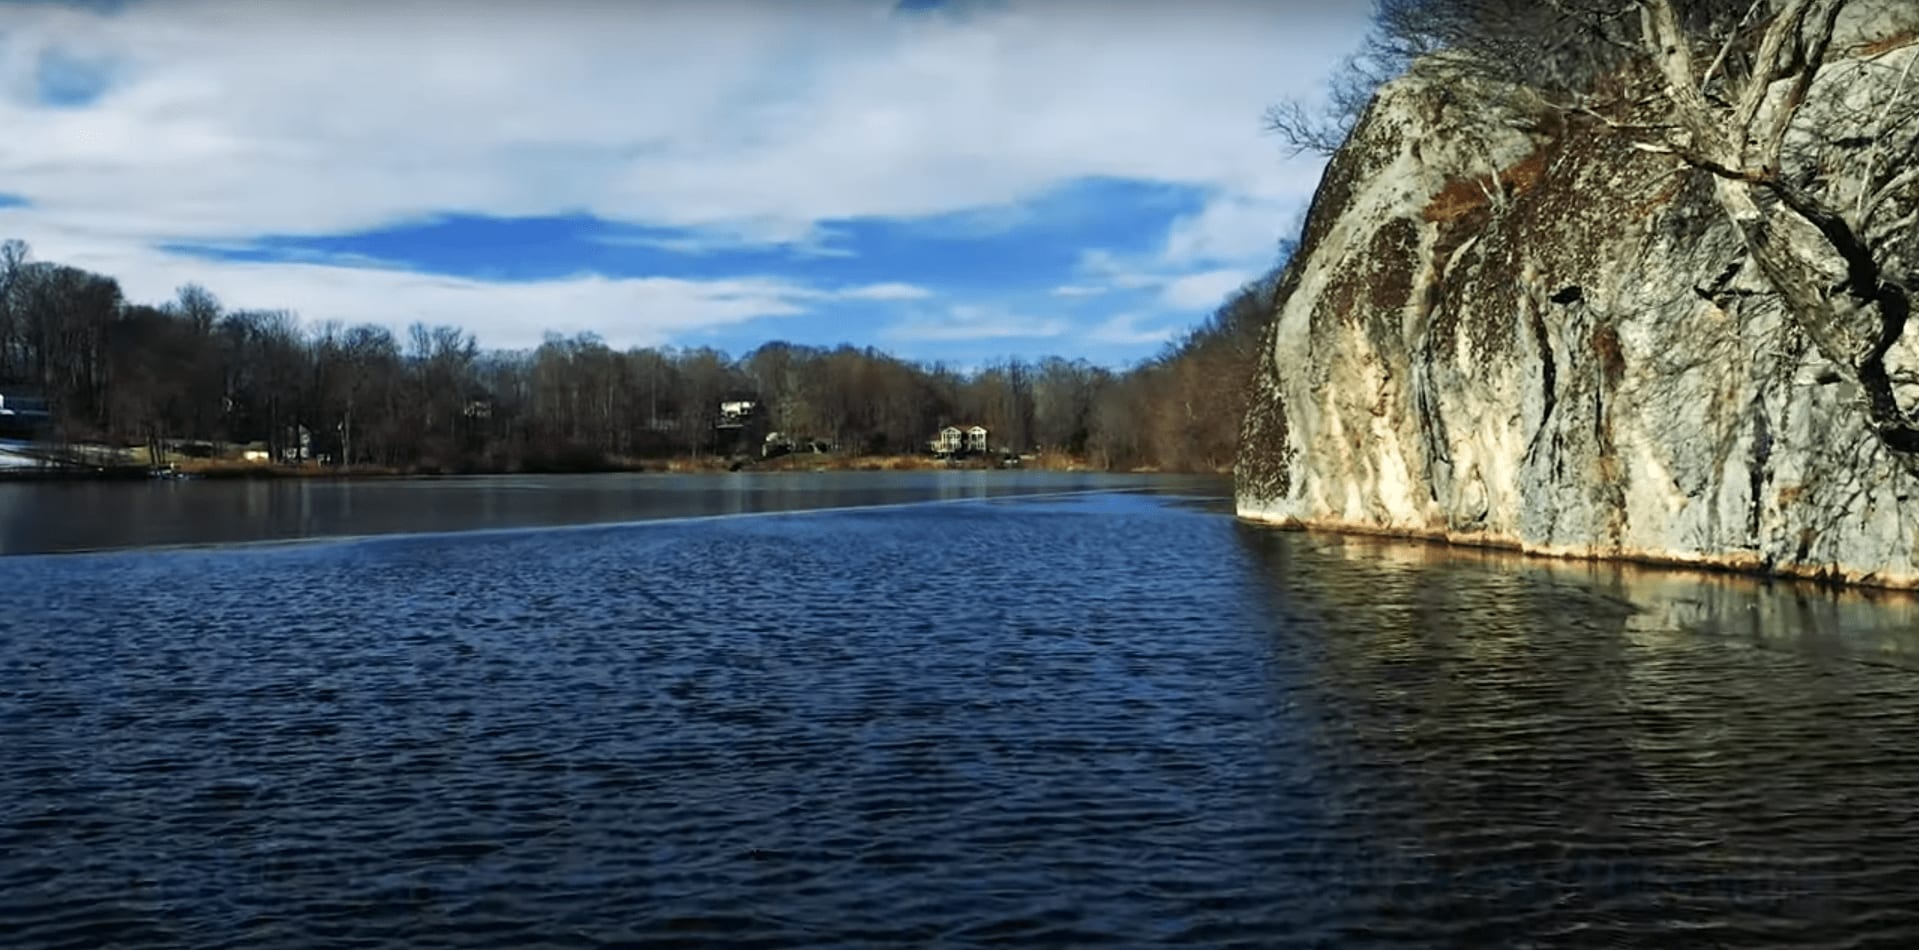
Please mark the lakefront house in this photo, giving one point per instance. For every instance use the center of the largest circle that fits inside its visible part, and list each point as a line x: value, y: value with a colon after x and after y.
x: 736, y: 413
x: 960, y: 440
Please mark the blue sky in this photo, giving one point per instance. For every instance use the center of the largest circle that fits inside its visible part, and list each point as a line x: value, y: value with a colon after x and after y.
x: 956, y: 182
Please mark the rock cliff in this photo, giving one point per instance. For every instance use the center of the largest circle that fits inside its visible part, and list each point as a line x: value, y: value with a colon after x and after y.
x: 1538, y: 337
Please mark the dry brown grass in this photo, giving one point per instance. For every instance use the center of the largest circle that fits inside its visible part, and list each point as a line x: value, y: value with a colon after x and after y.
x: 1463, y: 196
x: 1059, y: 462
x: 683, y: 465
x: 236, y: 468
x: 705, y: 463
x: 815, y: 462
x: 896, y: 463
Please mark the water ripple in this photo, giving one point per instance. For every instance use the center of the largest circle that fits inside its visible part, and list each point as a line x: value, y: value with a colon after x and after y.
x: 1097, y: 720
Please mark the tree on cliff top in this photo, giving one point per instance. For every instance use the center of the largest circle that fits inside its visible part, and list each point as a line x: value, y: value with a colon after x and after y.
x: 1818, y: 179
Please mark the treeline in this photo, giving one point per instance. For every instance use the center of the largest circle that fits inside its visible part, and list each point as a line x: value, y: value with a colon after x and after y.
x: 189, y: 374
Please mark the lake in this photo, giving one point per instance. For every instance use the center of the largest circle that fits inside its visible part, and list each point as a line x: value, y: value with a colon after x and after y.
x: 944, y: 708
x: 44, y: 517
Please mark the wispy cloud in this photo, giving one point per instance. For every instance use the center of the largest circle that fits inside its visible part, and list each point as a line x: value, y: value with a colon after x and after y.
x: 1204, y: 290
x: 970, y: 323
x: 1079, y: 290
x: 706, y: 241
x: 704, y: 126
x: 625, y: 311
x: 1111, y: 271
x: 727, y: 113
x: 1125, y: 330
x: 887, y: 291
x: 1178, y: 290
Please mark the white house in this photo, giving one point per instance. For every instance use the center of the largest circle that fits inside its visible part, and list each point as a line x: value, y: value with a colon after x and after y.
x: 298, y: 446
x: 734, y: 413
x: 957, y: 440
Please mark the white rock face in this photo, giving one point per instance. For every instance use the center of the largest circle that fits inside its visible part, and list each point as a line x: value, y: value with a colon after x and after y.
x: 1549, y: 341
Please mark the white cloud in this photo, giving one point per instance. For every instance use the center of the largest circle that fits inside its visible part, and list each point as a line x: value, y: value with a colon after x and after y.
x: 749, y: 120
x: 1204, y: 290
x: 1125, y: 330
x: 712, y: 240
x: 888, y: 291
x: 1079, y: 290
x: 967, y: 323
x: 233, y: 118
x: 1232, y: 228
x: 1113, y: 272
x: 624, y: 311
x: 1178, y: 290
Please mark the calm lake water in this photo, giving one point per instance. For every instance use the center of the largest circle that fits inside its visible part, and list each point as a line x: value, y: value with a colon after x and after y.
x: 41, y: 517
x: 1116, y: 716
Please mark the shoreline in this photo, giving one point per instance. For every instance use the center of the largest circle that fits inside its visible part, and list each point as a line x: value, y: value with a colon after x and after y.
x: 229, y: 470
x: 1826, y: 578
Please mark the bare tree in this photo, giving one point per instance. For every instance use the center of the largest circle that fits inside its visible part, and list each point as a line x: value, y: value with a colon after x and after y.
x: 13, y: 262
x: 1808, y: 136
x: 1815, y: 176
x: 1322, y: 127
x: 189, y: 373
x: 1535, y: 43
x: 1828, y: 218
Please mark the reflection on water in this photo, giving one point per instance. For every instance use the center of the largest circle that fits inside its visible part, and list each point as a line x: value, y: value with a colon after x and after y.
x: 41, y: 517
x: 1589, y: 753
x: 1652, y: 600
x: 1108, y: 718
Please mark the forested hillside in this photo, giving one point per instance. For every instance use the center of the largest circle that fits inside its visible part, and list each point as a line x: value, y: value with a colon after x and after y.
x: 189, y: 375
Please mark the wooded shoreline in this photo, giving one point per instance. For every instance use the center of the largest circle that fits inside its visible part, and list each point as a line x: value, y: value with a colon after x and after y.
x: 228, y: 470
x: 88, y: 367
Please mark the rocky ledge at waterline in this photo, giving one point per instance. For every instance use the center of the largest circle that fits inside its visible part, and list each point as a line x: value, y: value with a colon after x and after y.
x: 1539, y: 336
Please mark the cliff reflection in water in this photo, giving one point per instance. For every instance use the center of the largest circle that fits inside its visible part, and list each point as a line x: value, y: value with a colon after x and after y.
x: 1107, y: 718
x: 1604, y: 744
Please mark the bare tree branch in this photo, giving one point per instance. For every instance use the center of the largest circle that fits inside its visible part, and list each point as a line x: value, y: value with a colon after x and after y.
x: 1813, y: 60
x: 1633, y: 67
x: 1725, y: 49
